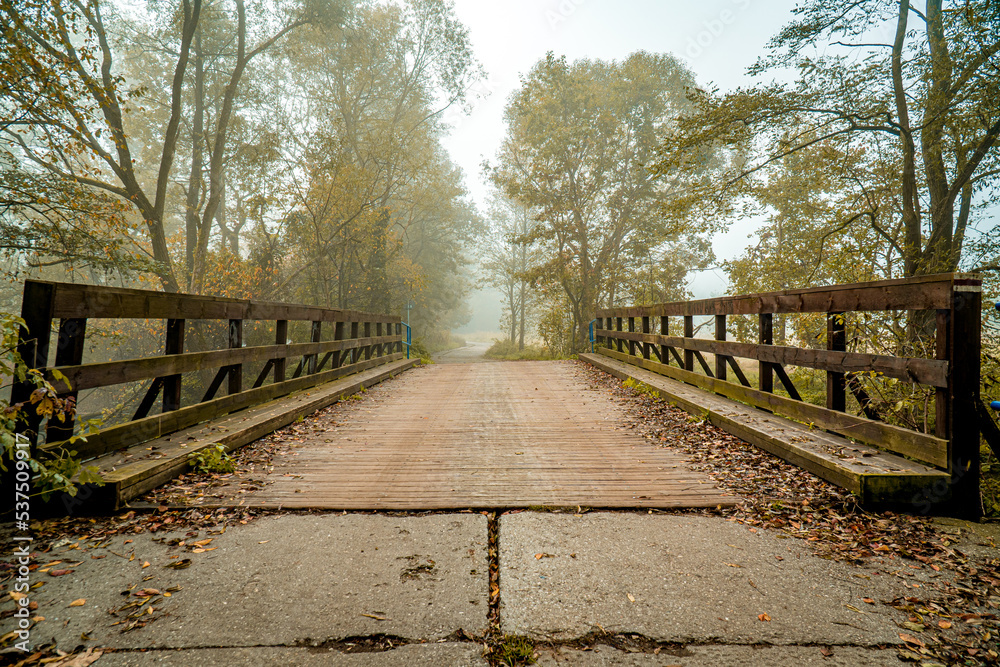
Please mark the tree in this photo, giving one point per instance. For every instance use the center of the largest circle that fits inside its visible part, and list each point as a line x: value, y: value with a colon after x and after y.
x: 927, y: 99
x: 68, y: 107
x: 376, y: 215
x: 578, y: 138
x: 508, y: 259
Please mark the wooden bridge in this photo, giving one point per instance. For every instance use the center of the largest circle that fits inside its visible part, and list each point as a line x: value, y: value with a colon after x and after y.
x: 501, y: 435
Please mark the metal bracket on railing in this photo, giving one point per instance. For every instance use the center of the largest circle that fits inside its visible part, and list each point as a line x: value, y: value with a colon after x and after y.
x: 591, y: 326
x: 408, y: 340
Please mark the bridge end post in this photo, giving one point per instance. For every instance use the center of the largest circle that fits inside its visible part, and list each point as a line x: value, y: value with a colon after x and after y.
x: 959, y: 339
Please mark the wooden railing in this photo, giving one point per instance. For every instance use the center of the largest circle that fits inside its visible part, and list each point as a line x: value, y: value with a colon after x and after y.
x: 359, y: 341
x: 641, y: 335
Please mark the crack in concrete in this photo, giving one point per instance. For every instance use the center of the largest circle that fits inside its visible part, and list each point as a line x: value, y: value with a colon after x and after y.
x: 634, y: 642
x: 374, y: 643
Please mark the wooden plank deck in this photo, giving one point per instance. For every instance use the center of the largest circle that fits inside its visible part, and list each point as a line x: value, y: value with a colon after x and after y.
x: 482, y: 435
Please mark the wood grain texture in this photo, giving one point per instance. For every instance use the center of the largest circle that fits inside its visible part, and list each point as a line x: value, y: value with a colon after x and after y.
x: 920, y: 446
x: 872, y: 474
x: 483, y: 435
x: 916, y: 293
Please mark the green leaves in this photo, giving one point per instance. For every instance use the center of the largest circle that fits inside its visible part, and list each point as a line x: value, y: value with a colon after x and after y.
x: 579, y: 137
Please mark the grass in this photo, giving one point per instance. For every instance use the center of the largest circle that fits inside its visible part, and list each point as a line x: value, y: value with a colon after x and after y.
x: 507, y: 351
x: 989, y: 482
x: 514, y: 651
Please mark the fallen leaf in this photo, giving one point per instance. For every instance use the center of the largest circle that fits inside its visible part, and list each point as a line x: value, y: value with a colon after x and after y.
x: 84, y: 659
x: 179, y: 565
x: 202, y: 543
x: 944, y: 625
x: 910, y: 639
x: 58, y: 573
x: 630, y: 598
x: 764, y: 617
x: 868, y: 600
x: 145, y: 564
x: 377, y: 618
x: 78, y: 603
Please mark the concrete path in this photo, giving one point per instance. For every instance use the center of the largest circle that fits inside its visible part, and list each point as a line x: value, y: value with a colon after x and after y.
x: 471, y: 352
x: 604, y: 588
x: 699, y: 584
x: 282, y: 590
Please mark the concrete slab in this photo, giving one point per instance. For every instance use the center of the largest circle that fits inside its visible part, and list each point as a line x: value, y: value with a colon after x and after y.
x: 417, y: 655
x: 686, y: 579
x: 724, y: 656
x: 278, y: 581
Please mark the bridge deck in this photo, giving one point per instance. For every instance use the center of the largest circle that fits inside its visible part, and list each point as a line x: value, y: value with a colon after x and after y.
x: 480, y: 435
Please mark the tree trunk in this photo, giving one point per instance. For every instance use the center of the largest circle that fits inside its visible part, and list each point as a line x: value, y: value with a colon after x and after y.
x: 193, y: 202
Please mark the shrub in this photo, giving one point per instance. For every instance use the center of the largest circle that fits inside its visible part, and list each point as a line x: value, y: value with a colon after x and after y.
x: 58, y: 470
x: 212, y: 460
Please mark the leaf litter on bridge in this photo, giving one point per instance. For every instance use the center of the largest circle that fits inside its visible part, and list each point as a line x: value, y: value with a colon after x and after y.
x: 950, y: 618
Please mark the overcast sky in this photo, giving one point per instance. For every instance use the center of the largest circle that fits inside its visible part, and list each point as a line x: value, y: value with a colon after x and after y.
x: 717, y: 38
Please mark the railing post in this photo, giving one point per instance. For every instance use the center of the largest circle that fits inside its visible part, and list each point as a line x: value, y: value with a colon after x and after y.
x: 720, y: 359
x: 378, y: 332
x: 315, y: 336
x: 688, y: 333
x: 69, y: 352
x: 280, y: 338
x: 664, y: 331
x: 836, y: 340
x: 37, y: 307
x: 959, y: 339
x: 236, y: 370
x: 368, y: 334
x: 355, y: 352
x: 338, y: 334
x: 619, y: 343
x: 647, y: 348
x: 764, y: 369
x: 631, y: 343
x: 609, y: 326
x: 172, y: 383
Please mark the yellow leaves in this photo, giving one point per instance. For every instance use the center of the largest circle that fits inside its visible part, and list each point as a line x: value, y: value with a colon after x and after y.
x: 78, y: 603
x: 764, y: 618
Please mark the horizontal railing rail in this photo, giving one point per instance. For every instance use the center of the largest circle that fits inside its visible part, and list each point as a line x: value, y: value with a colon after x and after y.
x: 360, y: 341
x: 640, y: 335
